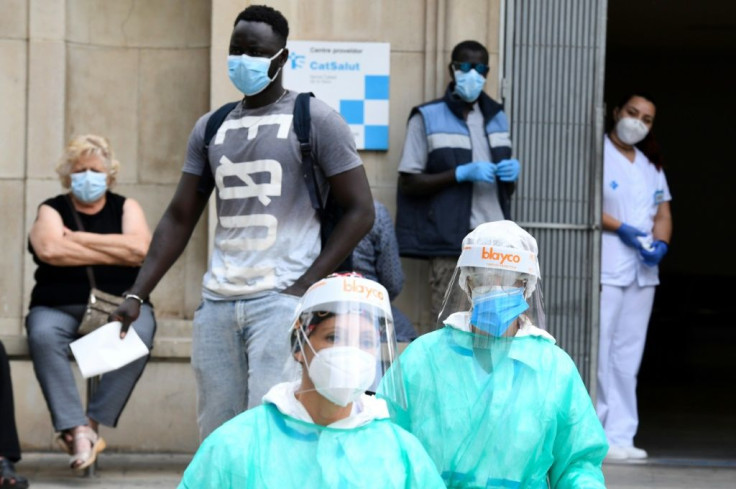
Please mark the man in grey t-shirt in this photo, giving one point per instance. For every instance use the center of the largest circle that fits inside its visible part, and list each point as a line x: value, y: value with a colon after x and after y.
x: 267, y: 242
x: 456, y: 170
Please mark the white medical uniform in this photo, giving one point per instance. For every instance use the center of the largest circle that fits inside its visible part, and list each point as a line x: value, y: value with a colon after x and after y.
x: 632, y: 193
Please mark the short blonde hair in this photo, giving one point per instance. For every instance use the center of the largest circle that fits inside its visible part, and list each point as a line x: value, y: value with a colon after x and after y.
x: 87, y: 144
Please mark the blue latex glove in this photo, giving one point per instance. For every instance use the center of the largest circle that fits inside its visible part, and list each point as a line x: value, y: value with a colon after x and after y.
x: 628, y: 235
x: 476, y: 171
x: 653, y: 257
x: 508, y: 170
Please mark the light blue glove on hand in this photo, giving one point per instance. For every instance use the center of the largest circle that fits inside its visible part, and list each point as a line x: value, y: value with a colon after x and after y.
x: 476, y: 171
x: 628, y: 235
x: 653, y: 257
x: 508, y: 170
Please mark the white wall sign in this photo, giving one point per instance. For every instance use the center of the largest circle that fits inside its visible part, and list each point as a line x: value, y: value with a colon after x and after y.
x: 351, y: 77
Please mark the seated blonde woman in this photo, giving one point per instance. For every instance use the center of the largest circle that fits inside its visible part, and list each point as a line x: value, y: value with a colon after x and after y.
x: 113, y: 244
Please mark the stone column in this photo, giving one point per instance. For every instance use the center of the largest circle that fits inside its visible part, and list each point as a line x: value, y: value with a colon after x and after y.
x: 13, y: 128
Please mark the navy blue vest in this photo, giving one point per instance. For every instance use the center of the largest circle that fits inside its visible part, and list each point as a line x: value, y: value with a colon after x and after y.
x: 435, y: 225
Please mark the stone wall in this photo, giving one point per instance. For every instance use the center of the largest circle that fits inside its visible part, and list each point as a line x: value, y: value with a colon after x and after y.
x: 138, y: 73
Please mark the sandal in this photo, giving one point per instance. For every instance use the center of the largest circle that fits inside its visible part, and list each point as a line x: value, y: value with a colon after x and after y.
x: 66, y: 444
x: 82, y: 460
x: 8, y: 477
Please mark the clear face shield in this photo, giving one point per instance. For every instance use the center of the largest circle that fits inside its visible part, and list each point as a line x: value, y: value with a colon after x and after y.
x: 343, y: 338
x: 494, y: 292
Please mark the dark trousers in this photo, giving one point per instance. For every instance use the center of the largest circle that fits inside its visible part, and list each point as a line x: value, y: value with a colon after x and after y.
x: 9, y: 445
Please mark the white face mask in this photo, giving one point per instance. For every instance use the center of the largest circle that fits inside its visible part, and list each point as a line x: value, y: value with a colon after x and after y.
x: 630, y: 130
x: 342, y: 373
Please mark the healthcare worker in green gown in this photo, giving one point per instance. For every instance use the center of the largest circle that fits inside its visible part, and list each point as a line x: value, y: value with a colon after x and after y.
x: 491, y: 397
x: 321, y: 430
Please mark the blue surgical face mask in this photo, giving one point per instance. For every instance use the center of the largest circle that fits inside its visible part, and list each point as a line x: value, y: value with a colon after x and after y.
x: 88, y: 186
x: 469, y: 85
x: 494, y: 311
x: 249, y: 74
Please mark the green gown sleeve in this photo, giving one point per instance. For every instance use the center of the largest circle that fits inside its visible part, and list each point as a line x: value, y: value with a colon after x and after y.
x: 225, y: 459
x: 580, y: 444
x: 420, y: 469
x: 209, y: 469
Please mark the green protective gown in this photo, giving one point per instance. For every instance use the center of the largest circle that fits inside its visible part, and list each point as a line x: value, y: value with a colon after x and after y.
x: 513, y: 413
x: 264, y: 448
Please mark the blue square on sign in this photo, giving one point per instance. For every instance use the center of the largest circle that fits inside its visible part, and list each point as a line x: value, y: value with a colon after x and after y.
x: 352, y: 111
x: 376, y: 87
x: 376, y: 137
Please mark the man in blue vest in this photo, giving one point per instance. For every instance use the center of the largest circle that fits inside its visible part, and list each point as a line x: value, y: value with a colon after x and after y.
x: 456, y: 170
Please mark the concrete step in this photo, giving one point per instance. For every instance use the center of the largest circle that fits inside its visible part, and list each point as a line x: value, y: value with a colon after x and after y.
x: 155, y: 470
x: 173, y: 341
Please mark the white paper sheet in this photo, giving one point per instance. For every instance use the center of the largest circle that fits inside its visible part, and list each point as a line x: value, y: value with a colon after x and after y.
x: 103, y: 351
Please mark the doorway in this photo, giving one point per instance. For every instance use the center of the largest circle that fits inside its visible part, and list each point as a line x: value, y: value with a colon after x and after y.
x: 678, y: 51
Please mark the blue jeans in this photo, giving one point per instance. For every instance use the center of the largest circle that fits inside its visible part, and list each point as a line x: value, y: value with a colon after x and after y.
x: 240, y: 349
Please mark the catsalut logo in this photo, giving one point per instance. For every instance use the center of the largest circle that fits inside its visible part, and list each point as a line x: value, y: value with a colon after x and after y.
x: 352, y: 285
x: 489, y: 254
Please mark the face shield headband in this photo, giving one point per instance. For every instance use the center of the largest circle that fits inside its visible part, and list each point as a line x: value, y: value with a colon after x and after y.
x: 522, y: 262
x: 333, y: 294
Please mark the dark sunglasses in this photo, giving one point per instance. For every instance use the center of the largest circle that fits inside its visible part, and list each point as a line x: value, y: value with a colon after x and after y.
x: 481, y: 68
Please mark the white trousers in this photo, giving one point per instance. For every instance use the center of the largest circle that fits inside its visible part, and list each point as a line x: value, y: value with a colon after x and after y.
x: 625, y: 313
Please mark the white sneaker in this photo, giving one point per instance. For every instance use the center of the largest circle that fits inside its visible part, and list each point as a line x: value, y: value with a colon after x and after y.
x: 616, y: 453
x: 635, y: 453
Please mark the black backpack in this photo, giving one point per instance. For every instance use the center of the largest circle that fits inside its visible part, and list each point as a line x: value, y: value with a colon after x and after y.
x: 330, y: 212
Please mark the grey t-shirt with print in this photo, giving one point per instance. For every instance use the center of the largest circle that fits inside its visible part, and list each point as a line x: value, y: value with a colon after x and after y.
x: 267, y: 232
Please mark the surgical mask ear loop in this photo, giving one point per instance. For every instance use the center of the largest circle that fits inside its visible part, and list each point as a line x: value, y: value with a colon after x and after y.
x: 301, y: 343
x: 270, y: 60
x: 275, y: 74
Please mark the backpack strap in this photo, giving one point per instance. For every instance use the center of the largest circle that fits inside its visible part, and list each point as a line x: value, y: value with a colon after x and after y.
x: 329, y: 213
x: 302, y: 125
x: 207, y: 180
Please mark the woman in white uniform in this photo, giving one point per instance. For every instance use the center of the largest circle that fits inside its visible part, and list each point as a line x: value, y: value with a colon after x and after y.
x: 637, y: 226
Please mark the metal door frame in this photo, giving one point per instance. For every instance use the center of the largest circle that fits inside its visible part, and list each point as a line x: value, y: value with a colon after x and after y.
x: 509, y: 61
